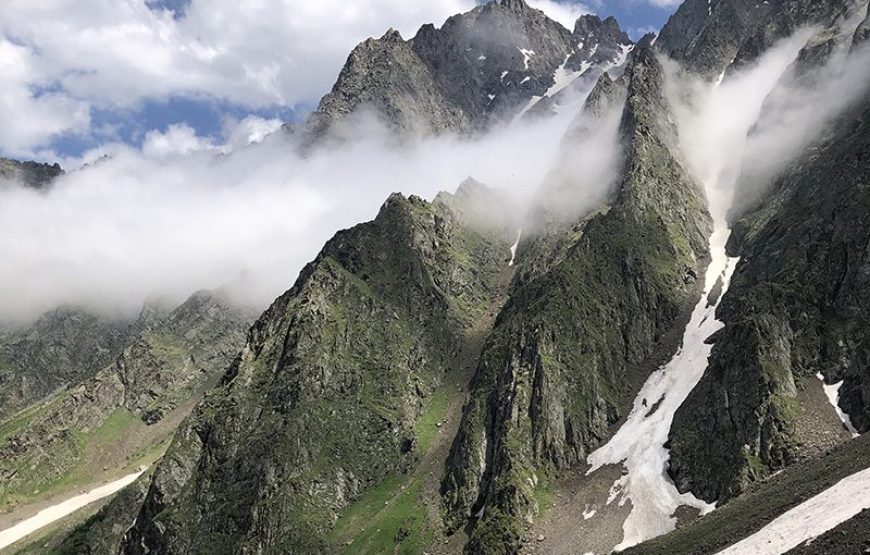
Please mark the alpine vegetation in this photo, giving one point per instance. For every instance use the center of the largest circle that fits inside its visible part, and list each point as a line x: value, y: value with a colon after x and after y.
x: 522, y: 281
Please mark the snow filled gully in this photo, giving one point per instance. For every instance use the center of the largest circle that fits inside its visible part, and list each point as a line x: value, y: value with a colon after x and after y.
x: 639, y: 445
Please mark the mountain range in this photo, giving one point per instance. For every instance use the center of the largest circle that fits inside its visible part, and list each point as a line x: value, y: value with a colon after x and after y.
x: 645, y: 370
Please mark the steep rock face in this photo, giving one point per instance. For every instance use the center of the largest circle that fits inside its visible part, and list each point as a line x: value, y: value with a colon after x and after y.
x: 324, y: 400
x: 600, y: 47
x: 570, y: 343
x: 170, y: 361
x: 480, y: 67
x: 862, y: 33
x: 558, y: 216
x: 181, y: 354
x: 493, y: 59
x: 61, y: 348
x: 708, y: 35
x: 32, y: 174
x: 598, y: 42
x: 386, y: 76
x: 797, y: 306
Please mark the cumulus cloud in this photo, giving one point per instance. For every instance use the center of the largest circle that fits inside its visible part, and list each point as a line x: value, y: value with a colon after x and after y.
x: 112, y: 55
x: 178, y: 139
x: 179, y: 215
x: 62, y: 59
x: 31, y: 112
x: 665, y: 3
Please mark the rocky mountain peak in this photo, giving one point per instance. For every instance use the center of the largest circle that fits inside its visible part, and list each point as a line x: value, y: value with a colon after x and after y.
x: 590, y: 24
x: 392, y: 35
x: 513, y: 5
x: 708, y: 35
x: 31, y: 174
x: 481, y: 67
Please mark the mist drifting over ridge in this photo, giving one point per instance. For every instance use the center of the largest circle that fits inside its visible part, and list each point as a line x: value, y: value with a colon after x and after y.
x: 165, y: 223
x: 181, y: 214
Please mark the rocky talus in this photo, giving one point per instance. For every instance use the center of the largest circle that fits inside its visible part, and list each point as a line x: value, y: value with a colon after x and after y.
x: 571, y: 344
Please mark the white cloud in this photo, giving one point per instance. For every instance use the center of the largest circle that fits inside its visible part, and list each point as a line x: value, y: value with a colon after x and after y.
x: 180, y: 215
x: 178, y: 139
x: 112, y: 54
x: 739, y: 135
x: 565, y: 12
x: 30, y: 119
x: 252, y: 129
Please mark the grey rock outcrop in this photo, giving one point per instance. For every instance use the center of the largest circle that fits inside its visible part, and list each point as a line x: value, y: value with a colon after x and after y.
x: 61, y: 348
x: 325, y: 400
x: 32, y: 174
x: 479, y: 68
x: 709, y: 35
x: 557, y: 370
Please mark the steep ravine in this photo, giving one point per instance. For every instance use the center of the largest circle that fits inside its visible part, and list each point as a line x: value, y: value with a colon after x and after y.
x: 570, y: 345
x: 797, y: 307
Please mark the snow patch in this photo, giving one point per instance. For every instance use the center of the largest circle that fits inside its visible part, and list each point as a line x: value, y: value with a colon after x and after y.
x: 639, y: 445
x: 810, y: 519
x: 514, y: 248
x: 56, y: 512
x: 588, y: 513
x: 503, y: 75
x: 562, y: 78
x: 527, y: 56
x: 833, y: 393
x: 526, y: 79
x: 624, y: 51
x: 481, y: 57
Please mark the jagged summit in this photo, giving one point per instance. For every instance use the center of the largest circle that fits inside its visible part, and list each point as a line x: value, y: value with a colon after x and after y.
x: 487, y: 65
x: 32, y: 174
x: 708, y: 35
x: 516, y: 5
x: 429, y: 384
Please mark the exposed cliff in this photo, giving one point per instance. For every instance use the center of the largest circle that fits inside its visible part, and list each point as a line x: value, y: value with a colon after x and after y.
x: 325, y: 400
x: 571, y: 344
x: 796, y: 308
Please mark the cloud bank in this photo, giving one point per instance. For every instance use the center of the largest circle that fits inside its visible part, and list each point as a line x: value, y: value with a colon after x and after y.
x: 180, y: 215
x: 64, y: 60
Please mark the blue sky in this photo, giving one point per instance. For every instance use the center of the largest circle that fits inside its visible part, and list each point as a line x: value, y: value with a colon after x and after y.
x: 83, y: 78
